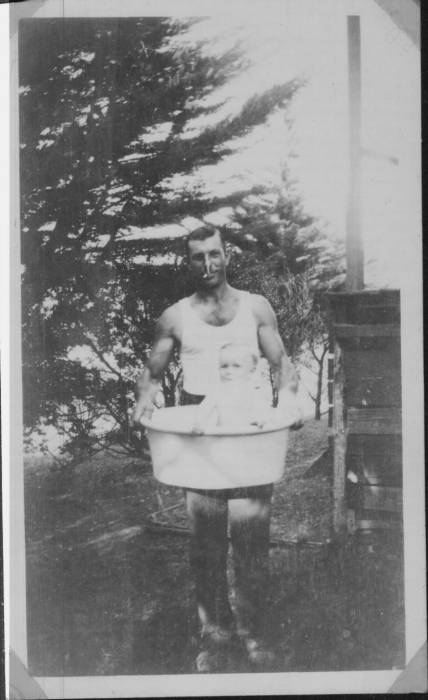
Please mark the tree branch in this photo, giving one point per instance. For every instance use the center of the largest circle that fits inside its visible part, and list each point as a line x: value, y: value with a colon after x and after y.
x: 310, y: 394
x: 118, y: 416
x: 102, y: 358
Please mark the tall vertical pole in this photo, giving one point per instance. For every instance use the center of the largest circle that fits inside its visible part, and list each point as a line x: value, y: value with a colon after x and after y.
x: 354, y: 244
x: 339, y: 445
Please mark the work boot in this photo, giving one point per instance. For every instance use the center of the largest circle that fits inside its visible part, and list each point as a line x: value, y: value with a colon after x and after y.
x: 210, y: 661
x: 259, y: 654
x: 217, y: 635
x: 214, y: 655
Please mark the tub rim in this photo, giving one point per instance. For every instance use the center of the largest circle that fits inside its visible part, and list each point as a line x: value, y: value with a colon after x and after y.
x: 215, y: 432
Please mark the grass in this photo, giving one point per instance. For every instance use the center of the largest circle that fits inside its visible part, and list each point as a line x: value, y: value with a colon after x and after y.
x: 107, y: 594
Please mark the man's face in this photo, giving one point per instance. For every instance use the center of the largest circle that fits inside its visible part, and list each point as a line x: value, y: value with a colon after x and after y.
x: 208, y: 261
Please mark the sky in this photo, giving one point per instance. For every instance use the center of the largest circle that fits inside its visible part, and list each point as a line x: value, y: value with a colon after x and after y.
x: 309, y: 42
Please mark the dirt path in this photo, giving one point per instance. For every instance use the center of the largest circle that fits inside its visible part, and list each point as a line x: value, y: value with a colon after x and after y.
x: 107, y: 594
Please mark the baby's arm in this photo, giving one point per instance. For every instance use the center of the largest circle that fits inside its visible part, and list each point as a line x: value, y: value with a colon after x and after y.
x: 260, y: 410
x: 204, y: 412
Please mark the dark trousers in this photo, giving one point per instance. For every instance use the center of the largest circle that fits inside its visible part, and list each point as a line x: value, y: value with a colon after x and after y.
x: 248, y: 513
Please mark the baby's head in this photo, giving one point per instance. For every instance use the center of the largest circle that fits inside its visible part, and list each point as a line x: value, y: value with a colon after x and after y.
x: 236, y: 362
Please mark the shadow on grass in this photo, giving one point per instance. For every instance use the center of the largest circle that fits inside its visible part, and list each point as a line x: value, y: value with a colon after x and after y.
x: 106, y: 595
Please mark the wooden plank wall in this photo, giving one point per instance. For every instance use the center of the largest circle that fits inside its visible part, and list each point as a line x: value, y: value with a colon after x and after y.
x: 367, y: 410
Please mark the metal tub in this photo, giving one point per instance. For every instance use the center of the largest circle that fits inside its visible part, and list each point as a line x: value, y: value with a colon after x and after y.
x: 222, y: 458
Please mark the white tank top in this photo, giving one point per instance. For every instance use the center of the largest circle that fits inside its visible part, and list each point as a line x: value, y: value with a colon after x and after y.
x: 201, y: 343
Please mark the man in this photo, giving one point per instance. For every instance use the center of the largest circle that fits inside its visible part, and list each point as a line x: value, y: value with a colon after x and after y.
x: 198, y: 326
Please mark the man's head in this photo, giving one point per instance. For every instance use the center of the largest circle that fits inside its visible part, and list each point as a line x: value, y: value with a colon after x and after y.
x: 207, y: 256
x: 236, y: 362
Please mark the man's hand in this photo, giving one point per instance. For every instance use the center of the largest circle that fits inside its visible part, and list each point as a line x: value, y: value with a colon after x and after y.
x: 150, y: 398
x: 298, y: 423
x: 147, y: 385
x: 284, y: 374
x: 288, y: 406
x: 144, y: 408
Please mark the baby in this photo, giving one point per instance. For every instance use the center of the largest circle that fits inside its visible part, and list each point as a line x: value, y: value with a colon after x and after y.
x: 235, y: 401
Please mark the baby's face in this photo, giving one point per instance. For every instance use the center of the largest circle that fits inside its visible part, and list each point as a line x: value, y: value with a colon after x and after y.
x: 235, y: 365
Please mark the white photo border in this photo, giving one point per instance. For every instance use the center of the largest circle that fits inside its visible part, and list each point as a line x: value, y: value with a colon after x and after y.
x: 13, y: 501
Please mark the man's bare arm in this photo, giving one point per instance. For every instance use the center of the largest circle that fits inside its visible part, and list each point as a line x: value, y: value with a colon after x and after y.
x: 284, y: 374
x: 272, y: 347
x: 147, y: 383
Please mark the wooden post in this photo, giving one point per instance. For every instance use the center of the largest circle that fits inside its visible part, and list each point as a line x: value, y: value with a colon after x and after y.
x: 354, y: 246
x: 339, y: 446
x: 330, y: 380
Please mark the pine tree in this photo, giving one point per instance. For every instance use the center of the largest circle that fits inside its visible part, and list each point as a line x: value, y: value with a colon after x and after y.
x: 106, y: 114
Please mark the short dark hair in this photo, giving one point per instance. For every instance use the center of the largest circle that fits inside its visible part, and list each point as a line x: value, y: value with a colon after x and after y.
x: 202, y: 232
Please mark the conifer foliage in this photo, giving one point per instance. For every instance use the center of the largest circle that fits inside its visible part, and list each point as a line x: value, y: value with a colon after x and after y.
x: 110, y: 131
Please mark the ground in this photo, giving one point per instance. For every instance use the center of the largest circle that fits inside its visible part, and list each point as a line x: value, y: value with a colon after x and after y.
x: 108, y: 581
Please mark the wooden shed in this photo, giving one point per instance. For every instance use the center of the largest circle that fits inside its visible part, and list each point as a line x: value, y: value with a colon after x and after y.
x: 367, y: 410
x: 366, y: 342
